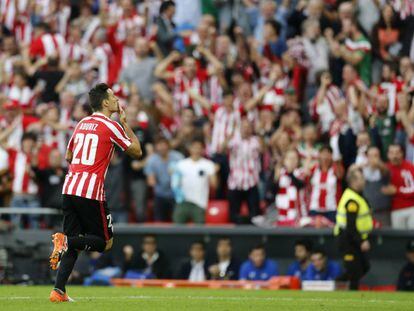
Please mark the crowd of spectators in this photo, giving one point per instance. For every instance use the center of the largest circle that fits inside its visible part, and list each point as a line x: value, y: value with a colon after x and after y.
x: 265, y: 103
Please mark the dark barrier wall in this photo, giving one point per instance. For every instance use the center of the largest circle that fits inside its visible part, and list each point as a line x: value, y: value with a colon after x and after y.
x: 387, y: 255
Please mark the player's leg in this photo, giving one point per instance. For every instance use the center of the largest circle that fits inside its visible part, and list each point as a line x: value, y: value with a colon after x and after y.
x: 95, y: 220
x: 64, y: 256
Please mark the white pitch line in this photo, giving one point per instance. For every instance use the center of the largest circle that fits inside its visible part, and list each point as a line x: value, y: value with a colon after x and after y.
x: 218, y: 298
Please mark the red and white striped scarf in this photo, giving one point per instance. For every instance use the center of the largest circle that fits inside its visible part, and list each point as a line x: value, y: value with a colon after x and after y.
x: 290, y: 201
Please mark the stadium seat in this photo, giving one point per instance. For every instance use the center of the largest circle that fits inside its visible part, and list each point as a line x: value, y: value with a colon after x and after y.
x: 217, y: 212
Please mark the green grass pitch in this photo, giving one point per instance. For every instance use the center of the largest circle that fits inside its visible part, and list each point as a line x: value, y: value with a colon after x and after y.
x: 124, y: 299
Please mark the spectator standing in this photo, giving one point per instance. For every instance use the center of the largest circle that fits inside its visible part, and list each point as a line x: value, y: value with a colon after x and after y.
x: 134, y: 169
x: 139, y: 75
x: 401, y: 188
x: 377, y: 176
x: 288, y: 185
x: 325, y: 183
x: 258, y: 267
x: 356, y: 49
x: 196, y: 175
x: 321, y: 268
x: 166, y: 28
x: 298, y: 268
x: 158, y: 170
x: 50, y: 181
x: 226, y: 267
x: 245, y: 152
x: 383, y: 124
x: 115, y: 183
x: 24, y: 188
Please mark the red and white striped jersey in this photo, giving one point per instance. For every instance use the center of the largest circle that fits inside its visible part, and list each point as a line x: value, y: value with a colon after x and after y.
x: 215, y: 90
x: 126, y: 24
x: 92, y: 145
x: 325, y: 112
x: 392, y: 89
x: 74, y: 51
x: 181, y: 98
x: 289, y: 200
x: 8, y: 16
x: 19, y: 164
x: 274, y: 98
x: 225, y: 125
x: 325, y: 189
x: 47, y: 45
x: 14, y: 139
x: 244, y: 160
x: 103, y: 54
x: 24, y: 97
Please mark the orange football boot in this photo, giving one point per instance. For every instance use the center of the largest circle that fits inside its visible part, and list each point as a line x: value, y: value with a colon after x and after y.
x: 60, y: 246
x: 57, y: 295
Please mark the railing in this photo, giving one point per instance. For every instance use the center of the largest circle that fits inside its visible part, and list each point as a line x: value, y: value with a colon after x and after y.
x: 29, y: 211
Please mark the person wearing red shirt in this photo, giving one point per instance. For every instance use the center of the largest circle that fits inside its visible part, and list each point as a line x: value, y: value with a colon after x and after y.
x: 401, y: 188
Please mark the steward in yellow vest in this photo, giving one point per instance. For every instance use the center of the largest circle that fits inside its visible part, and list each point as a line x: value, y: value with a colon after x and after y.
x: 353, y: 225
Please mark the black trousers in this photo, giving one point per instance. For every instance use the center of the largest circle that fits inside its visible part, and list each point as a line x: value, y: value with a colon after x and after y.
x: 223, y: 161
x: 356, y: 263
x: 236, y: 198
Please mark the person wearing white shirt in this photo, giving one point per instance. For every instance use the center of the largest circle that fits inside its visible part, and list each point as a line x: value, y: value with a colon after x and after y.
x: 196, y: 176
x: 226, y: 267
x: 195, y: 269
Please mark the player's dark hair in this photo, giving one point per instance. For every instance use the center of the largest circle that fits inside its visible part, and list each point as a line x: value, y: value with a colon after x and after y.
x: 87, y: 109
x: 29, y: 135
x: 97, y: 95
x: 166, y: 5
x: 306, y: 243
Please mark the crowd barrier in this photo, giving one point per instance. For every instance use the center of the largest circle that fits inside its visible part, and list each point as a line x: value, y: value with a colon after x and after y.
x: 276, y: 283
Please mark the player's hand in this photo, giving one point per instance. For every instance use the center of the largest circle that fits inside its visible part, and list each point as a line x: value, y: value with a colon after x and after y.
x: 365, y: 246
x: 122, y: 115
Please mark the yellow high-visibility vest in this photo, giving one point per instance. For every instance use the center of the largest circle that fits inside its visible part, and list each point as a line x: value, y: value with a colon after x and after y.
x: 364, y: 223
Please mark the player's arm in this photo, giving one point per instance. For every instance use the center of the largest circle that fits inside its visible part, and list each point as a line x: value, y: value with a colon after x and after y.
x: 134, y: 150
x: 69, y: 156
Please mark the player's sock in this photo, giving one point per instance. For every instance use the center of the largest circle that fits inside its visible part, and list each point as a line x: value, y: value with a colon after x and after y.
x: 65, y: 268
x: 87, y: 243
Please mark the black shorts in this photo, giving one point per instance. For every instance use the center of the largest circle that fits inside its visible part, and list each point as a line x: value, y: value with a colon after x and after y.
x: 83, y: 216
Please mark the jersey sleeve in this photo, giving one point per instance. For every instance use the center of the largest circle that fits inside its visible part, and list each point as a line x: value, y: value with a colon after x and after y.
x: 118, y: 136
